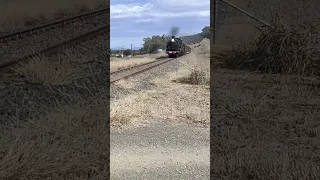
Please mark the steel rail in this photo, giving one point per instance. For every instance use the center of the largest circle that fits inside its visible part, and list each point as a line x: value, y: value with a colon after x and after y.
x: 57, y: 47
x: 132, y: 67
x: 52, y: 24
x: 140, y: 71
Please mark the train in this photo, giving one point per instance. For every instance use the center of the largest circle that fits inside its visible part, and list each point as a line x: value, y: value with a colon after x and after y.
x: 176, y: 47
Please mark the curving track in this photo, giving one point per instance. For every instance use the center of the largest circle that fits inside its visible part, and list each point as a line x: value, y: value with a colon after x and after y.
x: 52, y: 25
x: 15, y: 49
x: 4, y: 66
x: 131, y: 71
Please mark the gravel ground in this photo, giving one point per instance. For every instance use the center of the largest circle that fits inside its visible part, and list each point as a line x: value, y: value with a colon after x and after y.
x: 26, y: 45
x: 160, y: 151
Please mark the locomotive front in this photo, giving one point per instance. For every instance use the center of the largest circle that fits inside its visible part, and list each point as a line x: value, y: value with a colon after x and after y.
x: 173, y: 47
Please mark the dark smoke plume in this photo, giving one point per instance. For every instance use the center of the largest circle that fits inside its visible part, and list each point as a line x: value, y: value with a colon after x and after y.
x: 174, y: 31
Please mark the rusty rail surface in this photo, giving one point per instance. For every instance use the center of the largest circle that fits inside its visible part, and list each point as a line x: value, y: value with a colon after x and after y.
x: 53, y: 24
x: 57, y: 47
x: 156, y: 64
x: 132, y: 67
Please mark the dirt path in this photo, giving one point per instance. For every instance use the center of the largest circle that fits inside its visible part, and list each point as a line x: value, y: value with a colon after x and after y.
x: 160, y: 150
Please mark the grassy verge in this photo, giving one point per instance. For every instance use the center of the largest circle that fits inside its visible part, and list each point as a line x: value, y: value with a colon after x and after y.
x: 265, y: 126
x: 265, y: 96
x: 118, y: 64
x: 171, y: 99
x: 67, y: 139
x: 280, y: 49
x: 68, y: 142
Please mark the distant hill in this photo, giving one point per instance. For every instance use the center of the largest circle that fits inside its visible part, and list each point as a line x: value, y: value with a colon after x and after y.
x: 192, y: 38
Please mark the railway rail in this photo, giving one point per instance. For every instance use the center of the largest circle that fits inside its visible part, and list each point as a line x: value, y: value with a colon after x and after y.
x: 131, y: 71
x: 52, y: 25
x: 56, y: 48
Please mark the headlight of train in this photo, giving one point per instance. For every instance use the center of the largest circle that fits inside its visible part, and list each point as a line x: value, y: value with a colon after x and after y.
x: 172, y: 40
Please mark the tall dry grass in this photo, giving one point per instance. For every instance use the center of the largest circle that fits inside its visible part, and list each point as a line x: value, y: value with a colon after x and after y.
x: 46, y: 71
x: 289, y: 46
x: 121, y: 63
x: 280, y: 49
x: 67, y: 142
x: 266, y: 125
x: 198, y: 65
x: 67, y: 138
x: 118, y: 64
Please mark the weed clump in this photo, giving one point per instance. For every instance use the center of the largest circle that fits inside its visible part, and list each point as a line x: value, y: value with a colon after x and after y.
x: 197, y: 77
x: 280, y: 49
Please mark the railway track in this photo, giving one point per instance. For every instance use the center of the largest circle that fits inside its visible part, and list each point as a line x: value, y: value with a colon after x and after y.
x: 47, y: 39
x: 51, y: 25
x: 56, y: 48
x: 131, y: 71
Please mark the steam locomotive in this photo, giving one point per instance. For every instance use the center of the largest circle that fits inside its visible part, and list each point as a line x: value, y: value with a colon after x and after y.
x: 176, y: 47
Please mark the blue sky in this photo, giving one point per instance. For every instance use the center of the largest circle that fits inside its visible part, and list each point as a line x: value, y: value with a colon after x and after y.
x: 133, y: 20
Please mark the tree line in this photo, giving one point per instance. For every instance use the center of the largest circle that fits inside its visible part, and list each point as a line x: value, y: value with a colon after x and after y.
x: 151, y: 44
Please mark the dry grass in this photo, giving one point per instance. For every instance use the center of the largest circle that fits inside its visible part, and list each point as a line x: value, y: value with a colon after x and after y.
x: 289, y: 46
x: 236, y: 28
x: 168, y: 100
x: 267, y: 126
x: 128, y: 110
x: 69, y: 142
x: 66, y: 139
x: 281, y: 49
x: 17, y: 14
x: 198, y: 64
x: 125, y: 63
x: 46, y: 71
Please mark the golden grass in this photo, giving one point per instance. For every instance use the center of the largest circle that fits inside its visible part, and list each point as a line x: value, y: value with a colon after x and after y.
x: 196, y: 65
x: 65, y: 140
x: 168, y: 100
x: 280, y: 49
x: 266, y: 126
x: 125, y: 63
x: 175, y: 103
x: 46, y: 71
x: 17, y: 13
x: 68, y: 142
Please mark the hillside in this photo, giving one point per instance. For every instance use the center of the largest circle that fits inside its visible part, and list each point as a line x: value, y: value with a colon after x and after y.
x: 192, y: 38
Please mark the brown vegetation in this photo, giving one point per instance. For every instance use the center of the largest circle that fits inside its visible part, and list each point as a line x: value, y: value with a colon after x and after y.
x: 66, y: 133
x: 266, y: 123
x: 179, y: 97
x: 118, y: 64
x: 279, y: 49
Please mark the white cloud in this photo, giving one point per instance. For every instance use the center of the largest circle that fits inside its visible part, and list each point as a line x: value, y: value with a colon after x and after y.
x: 179, y: 4
x: 153, y: 12
x: 130, y: 19
x: 129, y: 10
